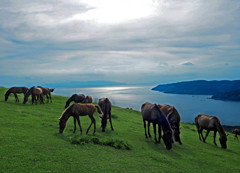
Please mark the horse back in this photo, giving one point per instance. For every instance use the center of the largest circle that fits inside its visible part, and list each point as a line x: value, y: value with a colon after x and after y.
x: 105, y: 105
x: 83, y: 109
x: 149, y: 113
x: 171, y: 113
x: 206, y: 122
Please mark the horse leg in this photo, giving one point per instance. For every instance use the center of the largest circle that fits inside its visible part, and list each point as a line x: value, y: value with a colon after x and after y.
x: 154, y: 128
x: 144, y: 124
x: 204, y: 139
x: 149, y: 135
x: 74, y: 122
x: 41, y: 99
x: 214, y: 137
x: 92, y: 122
x: 33, y: 98
x: 159, y: 134
x: 110, y: 120
x: 78, y: 120
x: 16, y: 97
x: 50, y: 97
x: 200, y: 135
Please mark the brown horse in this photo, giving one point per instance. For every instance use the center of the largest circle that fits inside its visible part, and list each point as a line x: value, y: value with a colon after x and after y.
x: 152, y: 114
x: 236, y: 132
x: 77, y: 98
x: 106, y: 107
x: 47, y: 92
x: 88, y: 99
x: 37, y: 94
x: 77, y: 110
x: 173, y: 118
x: 15, y: 91
x: 210, y: 123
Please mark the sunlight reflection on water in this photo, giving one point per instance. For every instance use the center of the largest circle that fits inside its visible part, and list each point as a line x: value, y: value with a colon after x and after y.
x: 187, y: 105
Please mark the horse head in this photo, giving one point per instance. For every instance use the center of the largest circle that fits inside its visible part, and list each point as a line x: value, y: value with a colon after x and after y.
x: 62, y: 125
x: 176, y: 132
x: 223, y: 141
x: 167, y: 139
x: 6, y: 97
x: 167, y: 136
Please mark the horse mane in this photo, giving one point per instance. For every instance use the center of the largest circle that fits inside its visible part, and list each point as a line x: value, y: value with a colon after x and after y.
x: 219, y: 126
x: 163, y: 119
x: 63, y: 113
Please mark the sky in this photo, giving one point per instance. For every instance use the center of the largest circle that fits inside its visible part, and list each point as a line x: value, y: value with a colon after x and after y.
x: 126, y: 41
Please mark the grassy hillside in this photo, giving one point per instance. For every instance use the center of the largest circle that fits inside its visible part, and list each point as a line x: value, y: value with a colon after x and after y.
x: 30, y: 142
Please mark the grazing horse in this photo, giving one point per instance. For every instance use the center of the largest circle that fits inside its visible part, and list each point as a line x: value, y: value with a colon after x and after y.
x: 77, y: 98
x: 15, y: 91
x: 210, y: 123
x: 106, y: 107
x: 173, y: 118
x: 47, y: 92
x: 35, y: 92
x: 77, y: 110
x: 88, y: 99
x: 236, y: 132
x: 152, y: 114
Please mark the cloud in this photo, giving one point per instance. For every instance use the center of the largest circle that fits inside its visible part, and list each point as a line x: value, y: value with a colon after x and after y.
x: 187, y: 64
x: 87, y: 39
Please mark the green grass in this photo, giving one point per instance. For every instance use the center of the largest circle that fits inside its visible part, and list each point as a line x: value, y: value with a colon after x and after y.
x: 30, y: 142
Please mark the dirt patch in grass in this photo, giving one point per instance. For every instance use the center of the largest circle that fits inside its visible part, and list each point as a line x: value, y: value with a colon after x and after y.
x: 115, y: 143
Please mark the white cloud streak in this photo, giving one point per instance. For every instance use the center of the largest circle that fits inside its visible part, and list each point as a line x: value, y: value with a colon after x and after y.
x: 120, y: 40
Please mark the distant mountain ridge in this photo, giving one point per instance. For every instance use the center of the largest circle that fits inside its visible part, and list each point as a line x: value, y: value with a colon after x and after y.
x: 199, y: 87
x: 231, y: 95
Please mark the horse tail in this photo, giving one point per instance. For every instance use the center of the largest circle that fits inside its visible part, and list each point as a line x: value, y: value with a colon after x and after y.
x: 99, y: 109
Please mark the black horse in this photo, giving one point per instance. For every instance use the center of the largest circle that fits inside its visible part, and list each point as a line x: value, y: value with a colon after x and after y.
x: 152, y: 114
x: 106, y: 107
x: 77, y: 98
x: 15, y: 91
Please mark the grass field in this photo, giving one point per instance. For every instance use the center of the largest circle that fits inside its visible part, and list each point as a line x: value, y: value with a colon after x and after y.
x: 30, y: 142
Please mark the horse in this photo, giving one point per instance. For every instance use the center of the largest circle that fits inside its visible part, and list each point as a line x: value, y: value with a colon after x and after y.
x: 35, y: 92
x: 88, y: 99
x: 236, y: 132
x: 173, y: 118
x: 77, y: 110
x: 15, y: 91
x: 47, y: 92
x: 77, y: 98
x: 152, y: 114
x: 106, y: 107
x: 210, y: 123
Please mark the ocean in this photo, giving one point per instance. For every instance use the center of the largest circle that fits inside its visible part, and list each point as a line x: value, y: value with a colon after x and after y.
x: 188, y: 106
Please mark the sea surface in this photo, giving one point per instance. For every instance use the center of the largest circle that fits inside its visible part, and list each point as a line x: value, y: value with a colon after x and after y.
x: 188, y: 106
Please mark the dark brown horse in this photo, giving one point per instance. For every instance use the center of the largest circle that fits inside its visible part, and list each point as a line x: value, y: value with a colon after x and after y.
x: 88, y: 99
x: 173, y: 118
x: 15, y: 91
x: 37, y: 94
x: 77, y: 110
x: 236, y: 132
x: 152, y: 114
x: 47, y: 92
x: 106, y: 107
x: 210, y: 123
x: 77, y: 98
